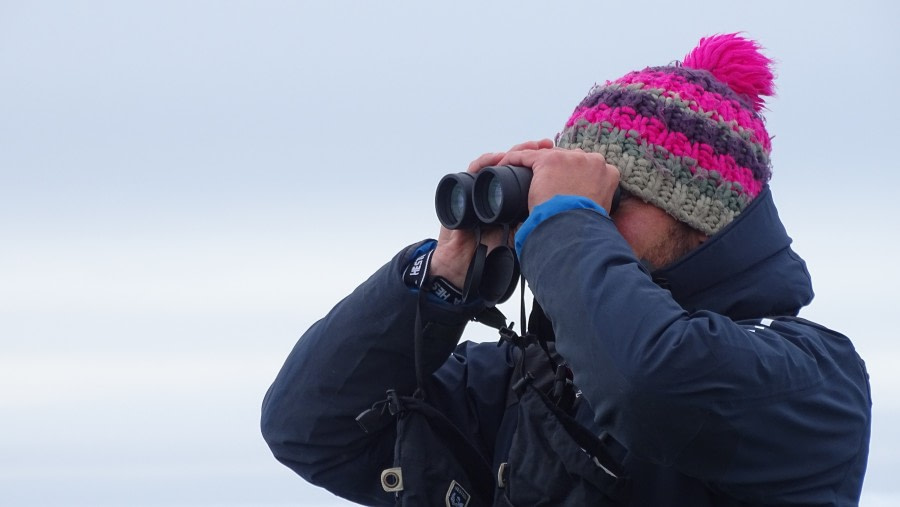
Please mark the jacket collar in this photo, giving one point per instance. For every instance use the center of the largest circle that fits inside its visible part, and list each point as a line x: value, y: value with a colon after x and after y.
x: 746, y: 270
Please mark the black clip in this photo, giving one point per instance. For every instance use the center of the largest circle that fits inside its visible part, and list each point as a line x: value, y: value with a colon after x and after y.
x: 563, y: 387
x: 521, y: 341
x: 562, y: 379
x: 520, y: 384
x: 393, y: 402
x: 375, y: 418
x: 507, y: 334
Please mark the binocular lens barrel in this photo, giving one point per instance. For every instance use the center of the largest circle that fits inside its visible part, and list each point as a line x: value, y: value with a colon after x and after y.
x: 500, y: 194
x: 496, y: 195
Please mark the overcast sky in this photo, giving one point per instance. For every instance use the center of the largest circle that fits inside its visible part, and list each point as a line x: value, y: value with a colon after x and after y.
x: 186, y: 186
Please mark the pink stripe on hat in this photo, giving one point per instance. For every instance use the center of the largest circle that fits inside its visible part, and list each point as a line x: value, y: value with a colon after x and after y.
x: 701, y: 101
x: 653, y: 131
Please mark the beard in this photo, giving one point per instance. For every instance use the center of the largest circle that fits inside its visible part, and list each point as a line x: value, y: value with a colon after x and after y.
x: 679, y: 239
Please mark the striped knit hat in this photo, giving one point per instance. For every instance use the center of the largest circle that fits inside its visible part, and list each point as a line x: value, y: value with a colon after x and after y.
x: 689, y: 137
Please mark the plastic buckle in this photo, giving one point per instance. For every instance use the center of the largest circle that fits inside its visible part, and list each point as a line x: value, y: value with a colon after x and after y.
x: 520, y: 384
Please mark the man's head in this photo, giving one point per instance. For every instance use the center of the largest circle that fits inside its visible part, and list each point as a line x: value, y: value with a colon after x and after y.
x: 688, y: 138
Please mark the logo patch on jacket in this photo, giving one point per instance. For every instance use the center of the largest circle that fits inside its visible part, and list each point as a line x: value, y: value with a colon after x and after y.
x: 457, y: 496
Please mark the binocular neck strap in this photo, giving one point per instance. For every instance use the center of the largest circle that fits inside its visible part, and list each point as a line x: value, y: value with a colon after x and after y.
x: 419, y: 347
x: 492, y: 276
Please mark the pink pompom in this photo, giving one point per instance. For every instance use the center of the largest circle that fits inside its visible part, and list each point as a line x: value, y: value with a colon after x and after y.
x: 737, y: 62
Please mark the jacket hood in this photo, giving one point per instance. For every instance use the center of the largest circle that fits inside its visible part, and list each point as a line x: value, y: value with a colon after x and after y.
x: 746, y: 270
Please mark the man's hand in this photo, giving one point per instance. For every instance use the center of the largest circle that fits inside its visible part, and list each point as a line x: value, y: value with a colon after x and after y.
x: 566, y: 172
x: 455, y: 248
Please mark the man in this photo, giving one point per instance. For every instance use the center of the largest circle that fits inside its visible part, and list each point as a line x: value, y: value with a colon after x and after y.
x: 675, y: 315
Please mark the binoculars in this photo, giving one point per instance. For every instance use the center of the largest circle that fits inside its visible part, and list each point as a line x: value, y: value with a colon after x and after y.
x: 496, y: 195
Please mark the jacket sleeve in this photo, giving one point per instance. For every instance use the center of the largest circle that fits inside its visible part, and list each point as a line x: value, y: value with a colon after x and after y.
x: 346, y: 362
x: 770, y: 414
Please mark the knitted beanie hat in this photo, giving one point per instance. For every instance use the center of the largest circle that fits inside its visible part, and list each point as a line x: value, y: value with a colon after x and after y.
x: 689, y: 137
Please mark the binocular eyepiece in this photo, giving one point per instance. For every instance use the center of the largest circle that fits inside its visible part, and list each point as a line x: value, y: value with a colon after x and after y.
x: 496, y: 195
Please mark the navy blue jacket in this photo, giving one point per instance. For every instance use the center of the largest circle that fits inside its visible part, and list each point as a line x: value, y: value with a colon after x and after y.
x: 700, y: 370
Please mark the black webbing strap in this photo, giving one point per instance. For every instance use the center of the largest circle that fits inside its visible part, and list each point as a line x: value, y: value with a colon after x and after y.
x: 586, y: 439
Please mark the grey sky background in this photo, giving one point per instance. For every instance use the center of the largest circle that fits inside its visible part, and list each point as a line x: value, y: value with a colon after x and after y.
x: 186, y: 186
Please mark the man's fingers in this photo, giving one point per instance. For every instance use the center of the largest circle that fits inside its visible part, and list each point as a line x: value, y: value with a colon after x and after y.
x: 489, y: 159
x: 533, y: 145
x: 612, y: 168
x: 484, y: 161
x: 525, y: 158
